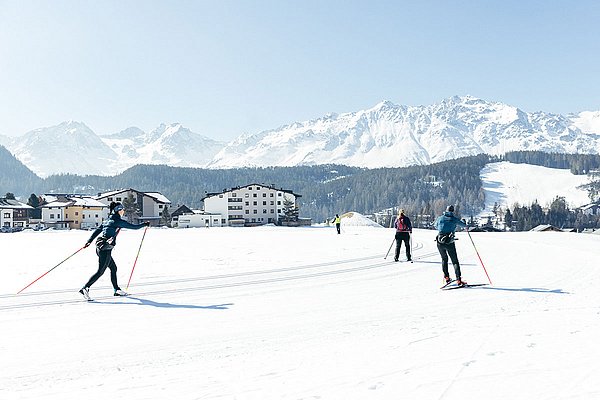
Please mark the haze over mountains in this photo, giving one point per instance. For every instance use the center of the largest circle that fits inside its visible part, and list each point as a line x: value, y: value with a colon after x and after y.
x: 387, y: 135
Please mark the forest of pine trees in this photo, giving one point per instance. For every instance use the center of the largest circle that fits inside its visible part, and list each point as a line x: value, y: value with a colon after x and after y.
x: 326, y: 190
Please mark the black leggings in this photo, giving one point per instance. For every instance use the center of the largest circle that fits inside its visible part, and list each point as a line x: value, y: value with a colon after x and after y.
x: 403, y: 237
x: 105, y: 260
x: 446, y: 250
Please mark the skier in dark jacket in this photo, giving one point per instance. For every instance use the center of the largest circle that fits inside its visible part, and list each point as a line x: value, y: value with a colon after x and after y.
x: 104, y: 245
x: 403, y: 232
x: 446, y: 225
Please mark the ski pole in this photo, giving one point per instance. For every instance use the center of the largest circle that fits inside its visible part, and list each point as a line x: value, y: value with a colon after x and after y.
x: 136, y: 257
x: 393, y: 240
x: 486, y: 273
x: 51, y: 269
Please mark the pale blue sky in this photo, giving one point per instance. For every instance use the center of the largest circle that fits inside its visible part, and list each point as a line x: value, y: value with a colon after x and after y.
x: 223, y: 68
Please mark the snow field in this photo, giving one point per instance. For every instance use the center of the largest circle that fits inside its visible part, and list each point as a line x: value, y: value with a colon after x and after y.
x: 300, y: 313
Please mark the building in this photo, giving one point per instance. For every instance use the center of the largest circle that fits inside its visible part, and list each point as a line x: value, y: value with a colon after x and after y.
x: 73, y: 212
x: 249, y: 205
x: 590, y: 209
x: 149, y: 205
x: 198, y: 219
x: 13, y: 213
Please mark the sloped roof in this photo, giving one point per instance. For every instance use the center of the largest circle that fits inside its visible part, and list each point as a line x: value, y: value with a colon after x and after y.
x: 13, y: 204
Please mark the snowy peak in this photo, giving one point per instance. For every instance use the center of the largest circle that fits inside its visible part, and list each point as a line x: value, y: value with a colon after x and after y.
x: 385, y: 135
x: 391, y: 135
x: 69, y: 147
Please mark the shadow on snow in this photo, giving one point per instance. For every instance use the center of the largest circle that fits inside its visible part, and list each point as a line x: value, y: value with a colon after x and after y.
x: 146, y: 302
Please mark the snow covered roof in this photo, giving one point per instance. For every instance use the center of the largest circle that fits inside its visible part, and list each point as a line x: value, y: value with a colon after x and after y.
x: 155, y: 195
x: 12, y: 204
x: 158, y: 196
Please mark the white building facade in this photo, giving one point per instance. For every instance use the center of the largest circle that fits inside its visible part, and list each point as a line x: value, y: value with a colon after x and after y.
x: 150, y: 204
x: 253, y: 204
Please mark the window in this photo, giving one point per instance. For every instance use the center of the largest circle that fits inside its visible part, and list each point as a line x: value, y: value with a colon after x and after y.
x: 278, y: 194
x: 264, y: 203
x: 272, y: 203
x: 110, y: 199
x: 247, y: 203
x: 249, y: 187
x: 6, y: 215
x: 254, y: 203
x: 272, y: 211
x: 270, y: 194
x: 264, y: 195
x: 247, y: 195
x: 220, y: 196
x: 264, y: 211
x: 160, y: 206
x: 76, y: 213
x: 278, y: 202
x: 96, y: 215
x: 233, y: 194
x: 255, y: 211
x: 279, y: 211
x: 118, y: 198
x: 51, y: 216
x: 254, y: 195
x: 247, y: 211
x: 258, y: 188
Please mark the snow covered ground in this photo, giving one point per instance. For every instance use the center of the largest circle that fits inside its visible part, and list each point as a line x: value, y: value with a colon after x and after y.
x: 300, y: 313
x: 506, y: 183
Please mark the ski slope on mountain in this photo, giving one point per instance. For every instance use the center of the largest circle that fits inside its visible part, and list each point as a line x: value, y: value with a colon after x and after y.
x: 506, y: 183
x: 300, y: 313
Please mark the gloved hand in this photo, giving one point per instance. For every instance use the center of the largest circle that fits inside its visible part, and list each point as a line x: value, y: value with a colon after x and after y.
x: 147, y: 223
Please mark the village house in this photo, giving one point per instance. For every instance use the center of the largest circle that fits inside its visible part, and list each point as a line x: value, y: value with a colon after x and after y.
x: 253, y: 204
x: 149, y: 205
x: 13, y: 213
x: 72, y: 212
x: 590, y: 209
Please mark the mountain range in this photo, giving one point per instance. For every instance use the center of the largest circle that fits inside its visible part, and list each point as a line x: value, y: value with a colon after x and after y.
x: 386, y: 135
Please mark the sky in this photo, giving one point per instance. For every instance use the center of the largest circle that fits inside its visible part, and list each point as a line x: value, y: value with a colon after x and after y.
x: 225, y: 68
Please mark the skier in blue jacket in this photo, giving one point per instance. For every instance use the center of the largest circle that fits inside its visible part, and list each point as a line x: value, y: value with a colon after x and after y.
x: 104, y: 245
x: 446, y: 225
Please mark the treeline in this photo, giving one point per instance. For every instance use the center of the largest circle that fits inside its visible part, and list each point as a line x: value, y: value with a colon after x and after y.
x: 558, y: 214
x: 423, y: 191
x: 325, y: 189
x: 578, y: 164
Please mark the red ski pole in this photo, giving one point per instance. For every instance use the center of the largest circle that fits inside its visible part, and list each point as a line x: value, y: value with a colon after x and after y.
x: 51, y: 269
x: 136, y: 257
x: 479, y: 256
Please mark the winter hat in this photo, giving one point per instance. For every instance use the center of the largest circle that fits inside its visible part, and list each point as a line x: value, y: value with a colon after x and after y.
x: 116, y: 207
x: 450, y: 208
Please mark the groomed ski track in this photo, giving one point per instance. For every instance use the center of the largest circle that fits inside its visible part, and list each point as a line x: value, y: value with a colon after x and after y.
x: 384, y: 269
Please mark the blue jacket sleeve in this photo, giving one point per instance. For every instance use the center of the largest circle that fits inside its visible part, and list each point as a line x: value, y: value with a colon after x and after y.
x: 95, y: 233
x: 127, y: 225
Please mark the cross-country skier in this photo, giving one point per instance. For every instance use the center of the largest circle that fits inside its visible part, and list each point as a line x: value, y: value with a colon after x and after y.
x: 338, y: 223
x: 446, y: 225
x: 104, y: 245
x: 403, y: 232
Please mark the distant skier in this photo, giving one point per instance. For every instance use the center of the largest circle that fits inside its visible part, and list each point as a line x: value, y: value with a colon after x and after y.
x: 104, y: 245
x: 403, y: 232
x: 338, y: 223
x: 446, y: 225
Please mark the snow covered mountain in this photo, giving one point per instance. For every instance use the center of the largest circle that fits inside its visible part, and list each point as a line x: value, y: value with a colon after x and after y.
x: 390, y: 135
x: 70, y: 147
x: 172, y: 145
x: 387, y: 135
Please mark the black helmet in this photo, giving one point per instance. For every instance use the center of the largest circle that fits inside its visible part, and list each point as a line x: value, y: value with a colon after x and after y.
x: 450, y: 208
